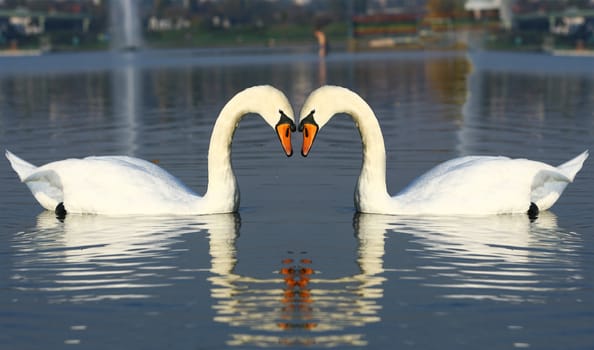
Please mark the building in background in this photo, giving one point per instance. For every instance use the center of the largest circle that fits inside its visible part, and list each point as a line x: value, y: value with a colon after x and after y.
x: 360, y: 24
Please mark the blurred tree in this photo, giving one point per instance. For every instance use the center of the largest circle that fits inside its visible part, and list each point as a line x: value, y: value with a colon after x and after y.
x: 159, y: 6
x: 440, y: 7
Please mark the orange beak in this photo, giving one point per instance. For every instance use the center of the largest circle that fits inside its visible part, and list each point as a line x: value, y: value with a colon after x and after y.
x: 284, y: 135
x: 284, y: 128
x: 309, y: 128
x: 309, y: 135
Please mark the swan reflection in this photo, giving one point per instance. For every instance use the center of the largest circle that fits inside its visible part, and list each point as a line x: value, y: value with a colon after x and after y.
x: 86, y: 258
x: 90, y: 257
x: 296, y: 306
x: 501, y: 257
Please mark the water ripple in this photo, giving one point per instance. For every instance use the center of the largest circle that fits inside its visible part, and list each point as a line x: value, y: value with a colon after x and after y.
x: 296, y: 306
x: 92, y: 257
x: 505, y: 257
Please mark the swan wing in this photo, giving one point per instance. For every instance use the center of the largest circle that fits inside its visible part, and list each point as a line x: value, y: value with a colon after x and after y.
x: 115, y: 185
x: 547, y: 187
x: 572, y: 166
x: 44, y: 185
x: 549, y: 184
x: 460, y: 164
x: 136, y: 164
x: 20, y: 166
x: 484, y: 185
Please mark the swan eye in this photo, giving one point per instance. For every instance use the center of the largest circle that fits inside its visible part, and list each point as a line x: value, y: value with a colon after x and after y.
x: 308, y: 120
x: 284, y: 119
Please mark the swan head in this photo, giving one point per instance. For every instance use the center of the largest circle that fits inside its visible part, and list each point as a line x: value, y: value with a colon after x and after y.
x: 321, y: 105
x: 275, y: 109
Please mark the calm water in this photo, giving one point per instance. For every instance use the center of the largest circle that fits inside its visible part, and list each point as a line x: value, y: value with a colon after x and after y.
x: 296, y: 267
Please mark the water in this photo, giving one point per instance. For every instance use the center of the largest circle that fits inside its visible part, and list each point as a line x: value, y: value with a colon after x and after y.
x: 296, y: 267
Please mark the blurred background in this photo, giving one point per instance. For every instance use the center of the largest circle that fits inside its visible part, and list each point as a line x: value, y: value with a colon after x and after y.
x: 36, y: 26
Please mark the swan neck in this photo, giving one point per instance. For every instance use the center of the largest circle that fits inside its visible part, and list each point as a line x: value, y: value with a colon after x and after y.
x: 372, y: 181
x: 370, y: 131
x: 221, y: 179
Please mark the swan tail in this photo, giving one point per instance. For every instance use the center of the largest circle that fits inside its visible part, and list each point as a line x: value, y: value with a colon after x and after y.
x: 20, y: 166
x: 548, y: 185
x: 45, y: 185
x: 571, y: 167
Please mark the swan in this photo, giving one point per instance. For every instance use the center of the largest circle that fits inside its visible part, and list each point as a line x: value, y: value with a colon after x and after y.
x: 471, y: 185
x: 122, y: 185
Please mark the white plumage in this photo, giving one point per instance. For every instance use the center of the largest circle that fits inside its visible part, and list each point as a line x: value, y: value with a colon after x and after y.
x: 472, y: 185
x: 122, y: 185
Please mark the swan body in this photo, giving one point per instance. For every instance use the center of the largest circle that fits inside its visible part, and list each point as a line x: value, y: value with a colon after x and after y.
x: 472, y: 185
x: 122, y: 185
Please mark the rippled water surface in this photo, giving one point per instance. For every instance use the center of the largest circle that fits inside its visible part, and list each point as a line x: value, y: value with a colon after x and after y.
x: 296, y: 267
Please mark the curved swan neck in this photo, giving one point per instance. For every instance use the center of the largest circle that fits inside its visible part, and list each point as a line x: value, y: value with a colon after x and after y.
x: 221, y: 180
x: 371, y: 186
x: 371, y: 133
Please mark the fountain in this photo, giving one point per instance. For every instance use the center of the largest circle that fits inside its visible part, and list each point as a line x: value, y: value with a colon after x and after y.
x: 125, y: 25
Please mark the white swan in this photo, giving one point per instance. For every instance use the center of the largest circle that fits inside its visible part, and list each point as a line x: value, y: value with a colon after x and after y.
x: 121, y: 185
x: 473, y: 185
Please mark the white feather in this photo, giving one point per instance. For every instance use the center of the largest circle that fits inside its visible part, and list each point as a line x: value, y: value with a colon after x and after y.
x: 121, y: 185
x: 473, y: 185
